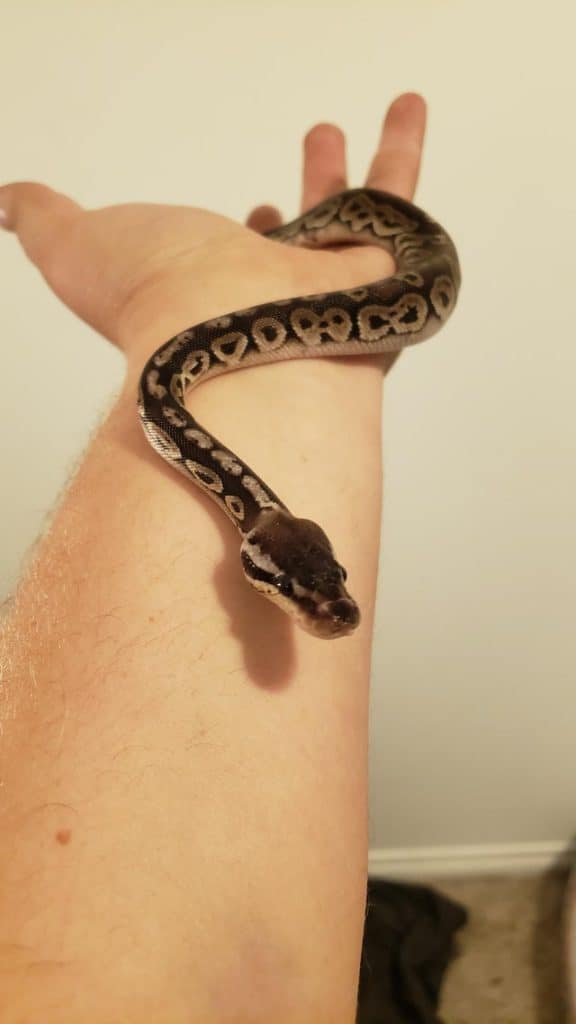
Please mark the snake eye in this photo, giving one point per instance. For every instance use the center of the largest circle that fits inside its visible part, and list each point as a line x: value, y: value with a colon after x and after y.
x: 283, y: 584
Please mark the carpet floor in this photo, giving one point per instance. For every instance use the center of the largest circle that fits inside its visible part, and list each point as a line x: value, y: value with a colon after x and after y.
x: 510, y: 968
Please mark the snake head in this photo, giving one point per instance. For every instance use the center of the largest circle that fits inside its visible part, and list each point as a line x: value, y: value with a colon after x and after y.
x: 292, y: 563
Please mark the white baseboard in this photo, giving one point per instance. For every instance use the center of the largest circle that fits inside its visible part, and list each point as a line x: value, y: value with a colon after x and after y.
x: 458, y: 861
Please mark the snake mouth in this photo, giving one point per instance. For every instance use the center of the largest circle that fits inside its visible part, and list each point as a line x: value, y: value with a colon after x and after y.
x: 335, y: 618
x: 326, y: 620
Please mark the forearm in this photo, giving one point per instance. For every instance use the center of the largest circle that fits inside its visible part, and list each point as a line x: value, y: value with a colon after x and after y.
x: 184, y: 774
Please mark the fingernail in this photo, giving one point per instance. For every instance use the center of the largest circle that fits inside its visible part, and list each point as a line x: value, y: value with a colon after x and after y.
x: 5, y: 220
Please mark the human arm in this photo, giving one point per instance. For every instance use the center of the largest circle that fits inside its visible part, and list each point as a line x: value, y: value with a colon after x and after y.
x: 183, y: 810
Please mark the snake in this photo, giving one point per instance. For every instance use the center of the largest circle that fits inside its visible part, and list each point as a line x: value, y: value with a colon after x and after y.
x: 288, y: 559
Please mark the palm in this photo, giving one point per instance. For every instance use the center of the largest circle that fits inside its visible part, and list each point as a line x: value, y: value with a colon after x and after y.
x: 100, y: 260
x: 107, y: 264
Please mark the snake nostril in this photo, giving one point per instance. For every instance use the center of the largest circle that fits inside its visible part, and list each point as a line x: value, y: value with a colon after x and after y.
x: 346, y: 611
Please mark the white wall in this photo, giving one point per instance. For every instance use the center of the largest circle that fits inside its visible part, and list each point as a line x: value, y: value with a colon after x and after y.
x: 473, y: 713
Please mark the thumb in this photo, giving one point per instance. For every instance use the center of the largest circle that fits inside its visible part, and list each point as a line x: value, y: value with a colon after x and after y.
x: 36, y: 214
x: 42, y: 219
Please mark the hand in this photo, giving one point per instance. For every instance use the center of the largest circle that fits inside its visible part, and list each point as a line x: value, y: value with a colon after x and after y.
x: 117, y: 267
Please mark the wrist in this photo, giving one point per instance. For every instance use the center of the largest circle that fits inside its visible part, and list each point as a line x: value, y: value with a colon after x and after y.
x: 213, y: 284
x: 201, y: 289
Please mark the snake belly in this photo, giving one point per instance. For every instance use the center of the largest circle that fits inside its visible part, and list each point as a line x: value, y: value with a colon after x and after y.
x: 291, y: 560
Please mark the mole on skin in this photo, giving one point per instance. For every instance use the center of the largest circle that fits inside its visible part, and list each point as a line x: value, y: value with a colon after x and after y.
x: 63, y: 836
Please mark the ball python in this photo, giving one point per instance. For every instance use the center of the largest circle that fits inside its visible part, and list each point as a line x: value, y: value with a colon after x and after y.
x: 288, y: 559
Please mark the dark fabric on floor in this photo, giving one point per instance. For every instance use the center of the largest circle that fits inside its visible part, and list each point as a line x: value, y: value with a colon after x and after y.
x: 409, y: 940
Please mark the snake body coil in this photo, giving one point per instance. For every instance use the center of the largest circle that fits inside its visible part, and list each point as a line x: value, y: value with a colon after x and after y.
x: 291, y: 560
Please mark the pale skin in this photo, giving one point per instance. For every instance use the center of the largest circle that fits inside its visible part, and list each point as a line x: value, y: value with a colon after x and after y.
x: 183, y: 810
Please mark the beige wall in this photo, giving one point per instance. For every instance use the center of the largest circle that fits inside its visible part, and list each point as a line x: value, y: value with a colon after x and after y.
x: 473, y: 714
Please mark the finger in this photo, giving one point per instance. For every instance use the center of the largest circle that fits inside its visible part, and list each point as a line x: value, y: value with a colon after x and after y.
x: 36, y: 214
x: 324, y: 165
x: 264, y: 218
x: 396, y: 164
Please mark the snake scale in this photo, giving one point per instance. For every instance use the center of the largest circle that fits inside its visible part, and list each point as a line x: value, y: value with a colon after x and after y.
x: 291, y: 560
